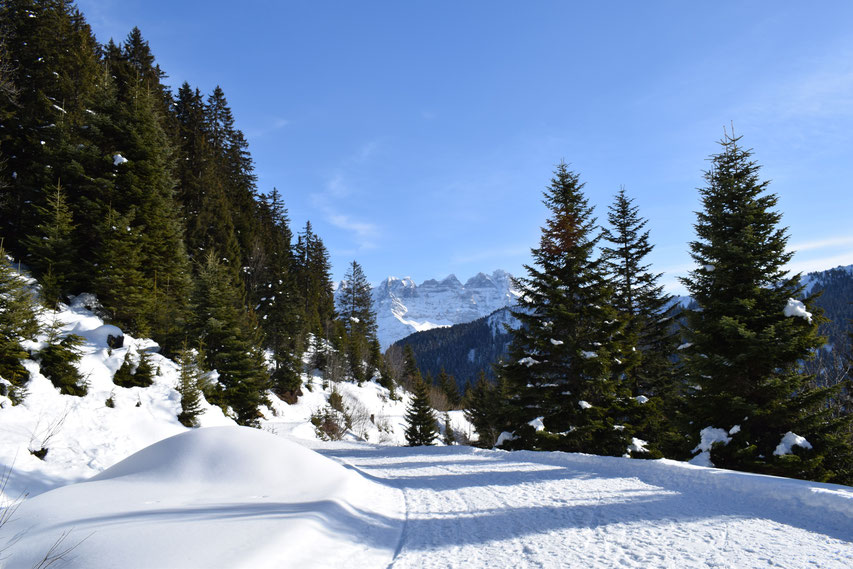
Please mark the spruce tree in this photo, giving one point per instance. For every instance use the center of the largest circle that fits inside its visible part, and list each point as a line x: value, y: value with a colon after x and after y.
x: 356, y: 312
x: 421, y: 425
x: 189, y: 387
x: 750, y: 334
x: 51, y: 252
x: 58, y: 360
x: 484, y: 410
x: 562, y: 393
x: 231, y: 342
x: 648, y: 339
x: 18, y: 321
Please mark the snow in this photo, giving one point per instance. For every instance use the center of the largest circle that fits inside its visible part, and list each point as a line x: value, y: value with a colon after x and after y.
x: 134, y: 488
x: 734, y: 430
x: 708, y: 437
x: 789, y: 441
x: 641, y: 399
x: 588, y: 355
x: 798, y: 309
x: 216, y: 497
x: 537, y: 424
x: 684, y: 346
x: 528, y: 361
x: 708, y: 268
x: 557, y: 342
x: 119, y: 159
x: 584, y: 405
x: 403, y: 307
x: 637, y: 445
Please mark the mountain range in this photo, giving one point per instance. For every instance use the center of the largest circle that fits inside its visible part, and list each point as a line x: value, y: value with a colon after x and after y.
x: 463, y: 350
x: 403, y: 307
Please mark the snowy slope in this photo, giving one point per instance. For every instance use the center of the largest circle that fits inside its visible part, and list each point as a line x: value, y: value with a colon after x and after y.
x: 402, y: 307
x: 234, y: 497
x: 219, y: 497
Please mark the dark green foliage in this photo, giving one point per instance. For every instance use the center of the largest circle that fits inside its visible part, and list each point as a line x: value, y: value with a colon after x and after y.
x: 449, y: 437
x: 58, y: 361
x: 18, y: 322
x: 189, y: 387
x: 421, y: 426
x: 314, y: 281
x: 110, y: 185
x: 745, y: 357
x: 231, y: 343
x: 485, y: 409
x: 359, y: 319
x: 647, y: 339
x: 447, y: 384
x: 562, y: 357
x: 140, y: 374
x: 463, y: 350
x: 51, y: 248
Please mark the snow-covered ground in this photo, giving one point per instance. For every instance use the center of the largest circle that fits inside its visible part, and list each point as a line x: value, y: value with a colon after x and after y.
x: 237, y: 497
x: 126, y: 485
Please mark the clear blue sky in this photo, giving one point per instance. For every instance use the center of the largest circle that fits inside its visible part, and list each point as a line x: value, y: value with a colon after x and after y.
x: 418, y: 136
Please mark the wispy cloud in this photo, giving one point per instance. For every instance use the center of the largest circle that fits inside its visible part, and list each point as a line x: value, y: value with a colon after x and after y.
x: 838, y: 241
x: 332, y: 203
x: 489, y: 254
x: 268, y: 128
x: 365, y: 233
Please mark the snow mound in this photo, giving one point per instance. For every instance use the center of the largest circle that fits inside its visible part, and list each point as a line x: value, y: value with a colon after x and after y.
x: 215, y: 497
x: 219, y: 455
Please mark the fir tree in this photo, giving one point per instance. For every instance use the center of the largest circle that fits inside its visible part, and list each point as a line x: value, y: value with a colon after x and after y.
x: 50, y: 249
x: 561, y: 357
x: 18, y: 322
x: 421, y: 426
x: 139, y: 374
x: 746, y: 349
x: 58, y: 360
x: 189, y: 387
x: 484, y: 410
x: 449, y: 437
x: 447, y: 385
x: 231, y: 342
x: 645, y: 362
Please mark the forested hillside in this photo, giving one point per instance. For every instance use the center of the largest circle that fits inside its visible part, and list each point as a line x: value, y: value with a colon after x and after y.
x: 115, y: 184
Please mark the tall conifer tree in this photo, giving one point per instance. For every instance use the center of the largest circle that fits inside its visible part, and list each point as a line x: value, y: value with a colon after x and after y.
x: 559, y: 373
x: 750, y: 334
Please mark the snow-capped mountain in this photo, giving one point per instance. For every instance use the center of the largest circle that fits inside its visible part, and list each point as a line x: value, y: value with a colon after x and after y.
x: 403, y: 307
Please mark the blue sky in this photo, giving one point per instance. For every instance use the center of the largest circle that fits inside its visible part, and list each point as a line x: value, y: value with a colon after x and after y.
x: 417, y: 136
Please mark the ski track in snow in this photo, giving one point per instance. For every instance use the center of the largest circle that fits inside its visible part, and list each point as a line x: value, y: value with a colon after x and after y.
x: 472, y: 508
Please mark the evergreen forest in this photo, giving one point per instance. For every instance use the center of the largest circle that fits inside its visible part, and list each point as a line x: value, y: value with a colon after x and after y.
x: 113, y: 183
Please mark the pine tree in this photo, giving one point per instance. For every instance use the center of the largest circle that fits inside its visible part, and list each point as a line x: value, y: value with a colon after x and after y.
x: 58, y: 360
x: 559, y: 373
x: 449, y: 437
x: 51, y: 252
x: 189, y: 387
x: 484, y: 410
x: 447, y: 385
x: 421, y: 426
x: 314, y: 280
x: 18, y: 322
x: 359, y: 319
x: 647, y: 336
x: 231, y: 342
x: 749, y: 335
x: 139, y: 374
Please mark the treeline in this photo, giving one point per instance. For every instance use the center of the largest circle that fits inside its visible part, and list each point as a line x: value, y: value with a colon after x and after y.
x: 602, y: 363
x: 115, y: 185
x: 462, y: 350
